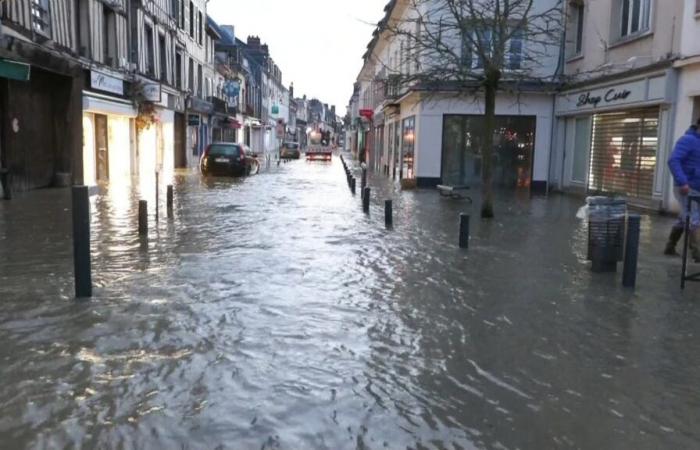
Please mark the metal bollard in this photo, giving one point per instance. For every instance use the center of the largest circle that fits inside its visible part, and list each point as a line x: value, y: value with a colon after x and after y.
x: 169, y: 201
x: 143, y: 217
x: 629, y: 273
x: 81, y: 242
x: 464, y: 230
x: 365, y: 199
x: 364, y: 180
x: 6, y: 181
x: 352, y: 185
x: 157, y: 195
x: 388, y: 213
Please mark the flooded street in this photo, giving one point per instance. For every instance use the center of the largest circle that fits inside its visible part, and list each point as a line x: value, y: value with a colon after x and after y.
x: 272, y: 313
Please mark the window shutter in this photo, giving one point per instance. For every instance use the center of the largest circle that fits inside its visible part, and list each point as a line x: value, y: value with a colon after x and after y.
x: 623, y: 152
x: 187, y: 16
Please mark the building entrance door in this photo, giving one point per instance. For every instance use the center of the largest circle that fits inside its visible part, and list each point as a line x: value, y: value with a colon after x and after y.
x: 180, y: 147
x: 101, y: 148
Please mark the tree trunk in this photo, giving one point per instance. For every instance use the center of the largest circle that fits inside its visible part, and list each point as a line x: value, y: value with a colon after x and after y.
x: 490, y: 87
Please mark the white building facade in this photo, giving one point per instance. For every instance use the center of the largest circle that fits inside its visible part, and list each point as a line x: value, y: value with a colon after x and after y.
x: 429, y: 139
x: 631, y: 94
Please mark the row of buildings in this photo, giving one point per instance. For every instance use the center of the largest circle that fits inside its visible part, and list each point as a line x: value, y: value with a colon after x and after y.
x: 611, y: 99
x: 93, y: 91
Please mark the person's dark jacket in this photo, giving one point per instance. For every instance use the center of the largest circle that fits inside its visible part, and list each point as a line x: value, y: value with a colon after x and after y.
x: 684, y: 161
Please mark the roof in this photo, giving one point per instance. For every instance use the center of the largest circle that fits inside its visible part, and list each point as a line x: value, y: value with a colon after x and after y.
x: 224, y: 36
x: 388, y: 11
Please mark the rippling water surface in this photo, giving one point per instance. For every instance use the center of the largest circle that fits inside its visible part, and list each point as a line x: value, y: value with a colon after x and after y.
x: 271, y: 313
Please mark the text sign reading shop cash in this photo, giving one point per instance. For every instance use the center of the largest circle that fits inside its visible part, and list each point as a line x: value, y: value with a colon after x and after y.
x: 612, y: 95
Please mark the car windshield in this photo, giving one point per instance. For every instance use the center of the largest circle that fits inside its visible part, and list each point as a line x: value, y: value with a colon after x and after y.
x: 224, y: 150
x: 291, y: 145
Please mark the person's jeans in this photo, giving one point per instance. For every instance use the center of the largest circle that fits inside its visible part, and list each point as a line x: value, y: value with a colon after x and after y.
x: 694, y: 210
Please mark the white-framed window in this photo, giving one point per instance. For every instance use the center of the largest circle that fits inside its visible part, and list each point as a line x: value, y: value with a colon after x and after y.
x: 635, y: 17
x: 41, y: 17
x: 514, y: 49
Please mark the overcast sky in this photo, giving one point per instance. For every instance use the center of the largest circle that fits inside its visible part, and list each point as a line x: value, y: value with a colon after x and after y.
x: 318, y: 44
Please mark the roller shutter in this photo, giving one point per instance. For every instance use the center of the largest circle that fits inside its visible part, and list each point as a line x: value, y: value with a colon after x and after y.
x: 623, y: 152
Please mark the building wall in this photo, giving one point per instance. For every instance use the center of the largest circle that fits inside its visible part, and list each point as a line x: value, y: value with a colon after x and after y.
x: 429, y: 127
x: 37, y: 128
x: 604, y: 53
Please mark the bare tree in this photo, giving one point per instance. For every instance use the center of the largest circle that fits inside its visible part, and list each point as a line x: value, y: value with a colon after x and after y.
x: 478, y: 48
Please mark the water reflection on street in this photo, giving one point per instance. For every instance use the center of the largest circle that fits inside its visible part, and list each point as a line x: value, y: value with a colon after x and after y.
x: 271, y: 313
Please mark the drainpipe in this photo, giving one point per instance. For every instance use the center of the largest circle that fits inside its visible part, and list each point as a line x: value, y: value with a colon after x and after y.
x: 557, y: 73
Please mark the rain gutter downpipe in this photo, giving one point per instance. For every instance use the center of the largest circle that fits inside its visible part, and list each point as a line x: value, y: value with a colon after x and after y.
x: 557, y: 74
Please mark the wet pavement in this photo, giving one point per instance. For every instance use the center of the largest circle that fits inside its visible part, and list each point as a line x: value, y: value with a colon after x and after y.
x: 272, y: 313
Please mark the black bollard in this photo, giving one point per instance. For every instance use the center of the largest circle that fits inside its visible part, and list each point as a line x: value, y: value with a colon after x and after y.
x: 157, y: 195
x: 352, y: 185
x: 81, y: 242
x: 6, y: 181
x: 143, y: 217
x: 169, y: 201
x: 364, y: 180
x: 365, y: 199
x: 629, y: 273
x: 388, y: 213
x: 464, y: 230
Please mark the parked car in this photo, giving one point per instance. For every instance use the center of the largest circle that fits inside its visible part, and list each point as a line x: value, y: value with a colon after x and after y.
x: 290, y: 150
x: 225, y: 158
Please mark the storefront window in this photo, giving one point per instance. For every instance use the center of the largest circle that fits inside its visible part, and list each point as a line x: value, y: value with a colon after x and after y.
x: 623, y: 152
x: 582, y: 146
x: 378, y: 150
x: 514, y: 139
x: 409, y: 138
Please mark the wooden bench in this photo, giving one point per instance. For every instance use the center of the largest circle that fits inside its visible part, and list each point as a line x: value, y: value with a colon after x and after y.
x: 457, y: 192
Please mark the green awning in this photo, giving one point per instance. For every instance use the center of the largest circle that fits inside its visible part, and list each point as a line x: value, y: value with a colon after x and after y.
x: 14, y: 70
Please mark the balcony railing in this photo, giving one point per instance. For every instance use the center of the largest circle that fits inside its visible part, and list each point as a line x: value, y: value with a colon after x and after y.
x: 393, y: 87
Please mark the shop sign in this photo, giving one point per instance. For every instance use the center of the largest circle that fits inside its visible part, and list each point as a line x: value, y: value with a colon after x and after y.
x: 610, y: 96
x: 199, y: 105
x: 623, y: 94
x: 367, y: 113
x: 193, y: 120
x: 152, y: 92
x: 176, y: 103
x: 106, y: 83
x: 232, y: 88
x: 14, y: 70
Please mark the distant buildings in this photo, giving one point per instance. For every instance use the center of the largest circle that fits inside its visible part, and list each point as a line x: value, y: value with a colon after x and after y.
x: 111, y: 92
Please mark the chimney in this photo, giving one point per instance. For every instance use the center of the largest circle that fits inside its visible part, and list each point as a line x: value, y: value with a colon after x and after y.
x: 291, y: 90
x: 254, y: 42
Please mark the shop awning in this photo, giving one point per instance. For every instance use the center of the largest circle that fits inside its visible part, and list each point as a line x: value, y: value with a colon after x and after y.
x: 233, y: 123
x: 95, y: 104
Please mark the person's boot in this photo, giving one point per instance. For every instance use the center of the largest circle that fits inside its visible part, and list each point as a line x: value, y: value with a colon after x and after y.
x: 673, y: 238
x: 694, y: 248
